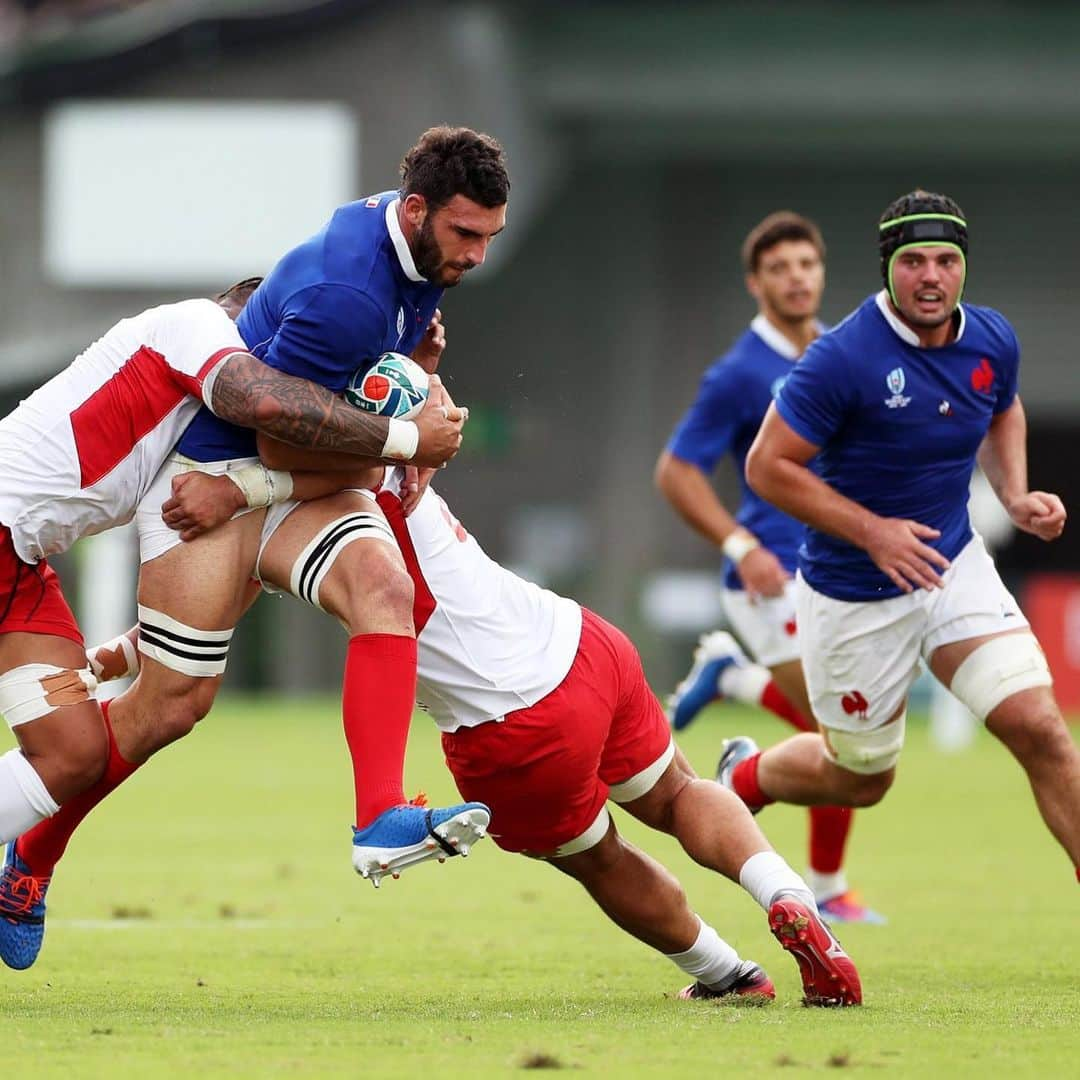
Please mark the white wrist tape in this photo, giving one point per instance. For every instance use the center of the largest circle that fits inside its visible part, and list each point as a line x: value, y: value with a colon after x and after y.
x: 401, y: 441
x: 262, y: 486
x: 739, y: 544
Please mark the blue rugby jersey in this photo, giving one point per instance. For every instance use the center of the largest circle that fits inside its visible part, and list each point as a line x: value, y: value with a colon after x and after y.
x: 330, y: 306
x: 732, y: 399
x: 898, y: 427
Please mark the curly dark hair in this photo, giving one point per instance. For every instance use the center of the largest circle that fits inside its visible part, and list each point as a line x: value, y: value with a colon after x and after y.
x: 777, y: 227
x: 916, y: 202
x: 449, y: 161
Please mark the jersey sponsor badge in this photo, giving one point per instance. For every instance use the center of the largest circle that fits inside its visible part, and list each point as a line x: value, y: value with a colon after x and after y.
x: 777, y: 385
x: 372, y: 202
x: 895, y: 381
x: 400, y: 322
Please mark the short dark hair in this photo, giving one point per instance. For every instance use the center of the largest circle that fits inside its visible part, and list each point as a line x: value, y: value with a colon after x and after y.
x: 241, y: 292
x: 777, y: 227
x: 449, y: 161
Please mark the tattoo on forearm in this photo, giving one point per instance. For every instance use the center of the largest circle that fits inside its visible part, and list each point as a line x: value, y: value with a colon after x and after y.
x: 251, y: 394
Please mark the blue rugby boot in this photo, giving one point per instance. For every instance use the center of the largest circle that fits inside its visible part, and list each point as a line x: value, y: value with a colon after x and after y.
x: 22, y: 912
x: 413, y: 833
x: 716, y: 652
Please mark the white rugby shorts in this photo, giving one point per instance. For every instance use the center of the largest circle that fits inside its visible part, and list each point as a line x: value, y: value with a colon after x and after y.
x: 861, y: 658
x: 155, y: 537
x: 766, y: 626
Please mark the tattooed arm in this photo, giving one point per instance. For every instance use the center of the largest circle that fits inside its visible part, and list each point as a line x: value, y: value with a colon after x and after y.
x: 252, y: 394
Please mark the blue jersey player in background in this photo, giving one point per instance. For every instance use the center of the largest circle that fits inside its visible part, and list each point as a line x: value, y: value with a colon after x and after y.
x: 895, y: 404
x: 783, y: 258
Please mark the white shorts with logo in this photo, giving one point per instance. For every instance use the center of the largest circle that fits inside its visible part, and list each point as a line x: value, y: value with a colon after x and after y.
x: 766, y: 626
x: 155, y: 537
x: 861, y: 658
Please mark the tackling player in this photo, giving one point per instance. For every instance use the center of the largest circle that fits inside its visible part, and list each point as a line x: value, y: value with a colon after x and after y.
x: 545, y: 715
x: 77, y: 456
x: 783, y: 257
x: 895, y: 404
x: 369, y: 282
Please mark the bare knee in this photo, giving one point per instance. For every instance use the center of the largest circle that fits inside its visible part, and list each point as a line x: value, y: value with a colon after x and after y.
x: 1035, y: 734
x: 863, y: 789
x: 370, y: 590
x: 176, y: 715
x: 74, y: 764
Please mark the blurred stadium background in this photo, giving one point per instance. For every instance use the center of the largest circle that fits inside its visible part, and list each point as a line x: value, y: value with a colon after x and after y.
x: 156, y: 149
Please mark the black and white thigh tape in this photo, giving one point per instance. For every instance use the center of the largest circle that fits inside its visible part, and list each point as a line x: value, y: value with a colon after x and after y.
x: 314, y: 562
x: 201, y: 653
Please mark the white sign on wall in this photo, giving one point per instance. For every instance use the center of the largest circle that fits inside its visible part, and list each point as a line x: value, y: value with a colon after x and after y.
x: 188, y: 193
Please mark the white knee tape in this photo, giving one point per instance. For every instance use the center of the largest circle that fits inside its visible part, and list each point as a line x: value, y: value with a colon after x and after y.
x: 999, y: 668
x: 315, y: 561
x: 35, y: 690
x: 199, y: 653
x: 866, y: 752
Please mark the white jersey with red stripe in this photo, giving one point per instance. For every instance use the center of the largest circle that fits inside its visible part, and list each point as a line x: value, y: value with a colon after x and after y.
x: 489, y: 642
x: 79, y: 453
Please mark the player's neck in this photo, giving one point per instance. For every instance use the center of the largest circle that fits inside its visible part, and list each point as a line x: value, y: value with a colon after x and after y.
x: 931, y: 337
x: 802, y: 333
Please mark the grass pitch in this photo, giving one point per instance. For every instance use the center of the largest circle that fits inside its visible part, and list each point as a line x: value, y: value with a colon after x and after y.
x: 206, y: 921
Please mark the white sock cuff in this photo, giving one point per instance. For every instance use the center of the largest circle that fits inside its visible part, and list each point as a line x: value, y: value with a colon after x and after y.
x: 765, y: 874
x: 710, y: 959
x: 744, y: 683
x: 826, y: 886
x: 30, y: 784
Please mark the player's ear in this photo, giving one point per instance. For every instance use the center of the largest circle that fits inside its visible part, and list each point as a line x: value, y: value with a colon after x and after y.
x: 415, y: 209
x: 752, y: 286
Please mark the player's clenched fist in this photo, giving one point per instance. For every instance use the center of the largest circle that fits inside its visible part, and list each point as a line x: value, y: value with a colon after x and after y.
x: 439, y: 424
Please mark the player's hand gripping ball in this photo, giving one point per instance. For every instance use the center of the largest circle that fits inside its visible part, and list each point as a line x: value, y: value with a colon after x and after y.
x: 393, y: 386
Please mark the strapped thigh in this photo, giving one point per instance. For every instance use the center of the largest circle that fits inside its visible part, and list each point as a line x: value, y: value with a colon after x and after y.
x: 315, y: 561
x: 34, y: 690
x: 999, y: 668
x: 182, y: 648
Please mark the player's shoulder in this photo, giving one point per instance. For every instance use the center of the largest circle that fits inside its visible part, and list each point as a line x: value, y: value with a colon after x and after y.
x: 195, y: 314
x: 991, y: 326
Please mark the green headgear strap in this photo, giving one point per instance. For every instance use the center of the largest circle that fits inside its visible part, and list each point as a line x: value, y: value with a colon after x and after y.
x: 920, y: 230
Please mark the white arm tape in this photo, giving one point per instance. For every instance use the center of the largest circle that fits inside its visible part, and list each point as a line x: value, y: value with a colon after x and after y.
x: 738, y: 544
x: 262, y: 486
x: 401, y: 440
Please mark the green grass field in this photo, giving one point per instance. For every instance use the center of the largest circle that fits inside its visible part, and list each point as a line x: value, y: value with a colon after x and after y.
x: 207, y: 921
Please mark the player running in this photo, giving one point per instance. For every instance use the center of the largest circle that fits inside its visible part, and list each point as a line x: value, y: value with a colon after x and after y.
x: 783, y: 257
x: 77, y: 456
x: 895, y: 404
x: 545, y: 715
x: 369, y: 282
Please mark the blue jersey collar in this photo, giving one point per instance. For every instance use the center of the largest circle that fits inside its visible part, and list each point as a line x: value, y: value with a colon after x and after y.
x: 401, y: 245
x: 775, y: 340
x: 902, y: 330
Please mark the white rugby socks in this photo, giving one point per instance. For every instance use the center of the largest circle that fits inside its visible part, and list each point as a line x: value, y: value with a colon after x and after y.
x: 710, y: 960
x: 24, y: 799
x: 765, y: 875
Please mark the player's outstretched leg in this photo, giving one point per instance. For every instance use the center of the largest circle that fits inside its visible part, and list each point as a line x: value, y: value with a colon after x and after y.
x: 716, y: 652
x: 644, y: 899
x: 717, y: 831
x: 406, y: 835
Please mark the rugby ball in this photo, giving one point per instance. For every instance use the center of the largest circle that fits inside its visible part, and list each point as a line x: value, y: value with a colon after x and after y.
x: 394, y: 386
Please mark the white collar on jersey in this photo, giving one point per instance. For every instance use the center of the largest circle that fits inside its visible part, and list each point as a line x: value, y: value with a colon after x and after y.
x: 903, y: 331
x: 775, y: 340
x: 401, y: 245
